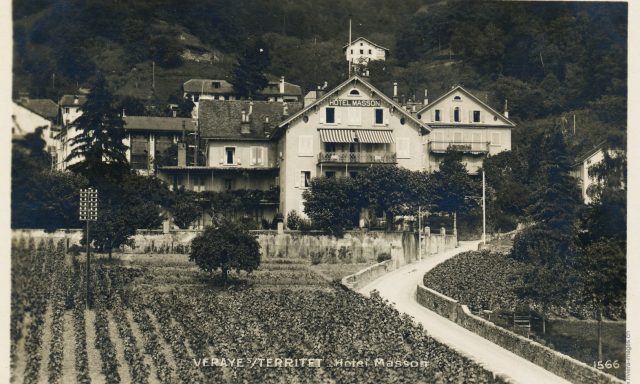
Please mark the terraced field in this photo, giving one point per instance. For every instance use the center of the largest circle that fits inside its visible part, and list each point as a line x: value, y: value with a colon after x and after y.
x: 153, y: 319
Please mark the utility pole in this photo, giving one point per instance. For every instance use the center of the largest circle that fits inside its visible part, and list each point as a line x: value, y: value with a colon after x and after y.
x: 153, y: 75
x: 484, y: 212
x: 419, y: 232
x: 349, y: 46
x: 88, y: 212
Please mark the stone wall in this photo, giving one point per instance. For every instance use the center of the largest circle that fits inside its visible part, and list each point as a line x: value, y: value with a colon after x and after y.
x: 367, y: 275
x: 553, y: 361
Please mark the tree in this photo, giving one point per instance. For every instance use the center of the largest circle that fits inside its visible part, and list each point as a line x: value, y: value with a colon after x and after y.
x: 333, y: 203
x: 454, y: 185
x: 602, y: 271
x: 248, y: 73
x: 98, y: 145
x: 185, y: 208
x: 386, y: 189
x: 226, y: 246
x: 554, y: 207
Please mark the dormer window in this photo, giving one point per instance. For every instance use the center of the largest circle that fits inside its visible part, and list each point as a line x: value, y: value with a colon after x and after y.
x: 354, y: 92
x: 215, y: 84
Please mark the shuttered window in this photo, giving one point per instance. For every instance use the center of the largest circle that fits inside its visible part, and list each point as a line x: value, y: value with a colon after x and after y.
x: 257, y: 156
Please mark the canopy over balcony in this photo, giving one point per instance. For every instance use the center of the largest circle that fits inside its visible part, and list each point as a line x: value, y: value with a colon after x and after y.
x: 374, y: 136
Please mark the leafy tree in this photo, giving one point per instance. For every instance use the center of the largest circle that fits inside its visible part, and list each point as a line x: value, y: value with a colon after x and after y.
x: 226, y: 246
x: 248, y: 73
x: 333, y: 203
x: 602, y: 271
x: 386, y: 189
x: 98, y: 145
x: 185, y: 208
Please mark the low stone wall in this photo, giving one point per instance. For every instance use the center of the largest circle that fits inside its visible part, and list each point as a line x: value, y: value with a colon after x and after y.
x: 553, y: 361
x: 74, y: 235
x: 367, y: 275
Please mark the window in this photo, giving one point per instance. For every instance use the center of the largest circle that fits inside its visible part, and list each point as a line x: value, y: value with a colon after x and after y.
x: 369, y: 51
x: 456, y: 114
x: 257, y: 155
x: 228, y: 184
x: 329, y: 147
x: 352, y: 51
x: 436, y: 116
x: 330, y: 174
x: 139, y: 151
x: 379, y: 116
x: 457, y: 98
x: 66, y: 109
x: 354, y: 92
x: 330, y: 115
x: 231, y: 155
x: 215, y: 84
x: 196, y: 98
x: 361, y: 44
x: 476, y: 116
x: 305, y: 179
x: 362, y: 51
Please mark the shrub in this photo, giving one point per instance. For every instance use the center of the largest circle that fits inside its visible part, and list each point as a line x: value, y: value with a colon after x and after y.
x: 294, y: 221
x: 331, y: 257
x: 316, y: 257
x: 384, y: 256
x: 345, y: 255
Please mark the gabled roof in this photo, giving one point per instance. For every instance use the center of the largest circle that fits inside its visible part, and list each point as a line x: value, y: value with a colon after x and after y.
x: 368, y: 41
x: 155, y: 123
x: 356, y: 78
x: 69, y: 100
x: 584, y: 156
x: 44, y: 107
x: 223, y: 119
x: 208, y: 86
x: 473, y: 97
x: 273, y: 88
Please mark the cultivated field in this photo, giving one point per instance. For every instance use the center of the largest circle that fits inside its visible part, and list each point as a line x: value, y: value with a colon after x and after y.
x: 155, y: 316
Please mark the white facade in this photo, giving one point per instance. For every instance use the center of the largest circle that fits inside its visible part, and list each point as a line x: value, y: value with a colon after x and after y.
x: 461, y: 122
x: 361, y: 51
x: 351, y: 128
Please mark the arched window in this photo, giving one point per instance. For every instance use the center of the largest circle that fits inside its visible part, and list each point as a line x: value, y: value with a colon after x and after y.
x: 457, y: 98
x: 354, y: 92
x: 456, y: 114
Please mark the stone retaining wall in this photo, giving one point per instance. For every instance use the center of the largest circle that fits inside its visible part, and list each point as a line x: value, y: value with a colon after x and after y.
x: 367, y: 275
x: 553, y: 361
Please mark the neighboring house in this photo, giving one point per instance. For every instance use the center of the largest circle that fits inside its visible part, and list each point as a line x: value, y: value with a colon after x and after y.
x: 70, y: 108
x: 29, y: 114
x: 149, y: 137
x: 580, y: 169
x: 341, y: 133
x: 207, y: 89
x: 361, y: 51
x: 462, y: 122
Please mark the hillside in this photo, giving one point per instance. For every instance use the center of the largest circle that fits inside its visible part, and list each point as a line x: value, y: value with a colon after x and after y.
x: 547, y: 59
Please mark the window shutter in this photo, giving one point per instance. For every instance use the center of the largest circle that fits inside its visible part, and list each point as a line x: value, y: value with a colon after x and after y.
x: 451, y: 114
x: 264, y: 155
x: 323, y: 115
x: 338, y: 115
x: 481, y: 116
x: 385, y: 116
x: 471, y: 116
x: 252, y: 155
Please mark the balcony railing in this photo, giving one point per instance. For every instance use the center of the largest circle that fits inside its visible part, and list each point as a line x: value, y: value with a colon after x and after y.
x: 357, y: 157
x: 460, y: 146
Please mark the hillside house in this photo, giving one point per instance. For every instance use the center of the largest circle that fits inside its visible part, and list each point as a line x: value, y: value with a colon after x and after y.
x: 362, y: 51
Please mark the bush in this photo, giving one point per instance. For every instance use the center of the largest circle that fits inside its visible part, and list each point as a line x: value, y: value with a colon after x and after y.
x: 316, y: 257
x: 294, y: 221
x: 345, y: 255
x: 384, y: 256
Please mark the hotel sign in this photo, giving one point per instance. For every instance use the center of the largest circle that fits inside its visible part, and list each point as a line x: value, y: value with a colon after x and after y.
x: 354, y: 103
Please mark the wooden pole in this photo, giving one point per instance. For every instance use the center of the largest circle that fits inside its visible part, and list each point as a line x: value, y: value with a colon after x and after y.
x: 88, y: 266
x: 484, y: 212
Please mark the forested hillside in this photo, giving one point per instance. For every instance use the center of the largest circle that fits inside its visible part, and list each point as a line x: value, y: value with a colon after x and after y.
x: 550, y: 60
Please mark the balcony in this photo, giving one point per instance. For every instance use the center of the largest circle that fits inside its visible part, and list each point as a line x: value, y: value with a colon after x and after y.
x: 356, y: 158
x: 474, y: 147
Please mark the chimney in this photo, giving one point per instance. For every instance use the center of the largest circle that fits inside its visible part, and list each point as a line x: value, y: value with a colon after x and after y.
x: 125, y: 115
x: 250, y: 109
x: 426, y: 98
x: 244, y: 116
x: 506, y: 109
x: 182, y: 154
x: 281, y: 84
x: 325, y: 85
x: 395, y: 91
x: 285, y: 109
x: 175, y: 113
x: 76, y: 100
x: 413, y: 108
x: 319, y: 92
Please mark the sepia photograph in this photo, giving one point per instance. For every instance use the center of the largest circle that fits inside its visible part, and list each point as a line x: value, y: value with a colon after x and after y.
x: 318, y: 191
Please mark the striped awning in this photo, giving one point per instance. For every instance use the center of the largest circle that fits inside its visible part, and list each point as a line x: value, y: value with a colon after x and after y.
x: 356, y: 135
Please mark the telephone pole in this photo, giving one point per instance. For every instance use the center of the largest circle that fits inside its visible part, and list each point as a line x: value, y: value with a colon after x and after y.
x: 88, y: 212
